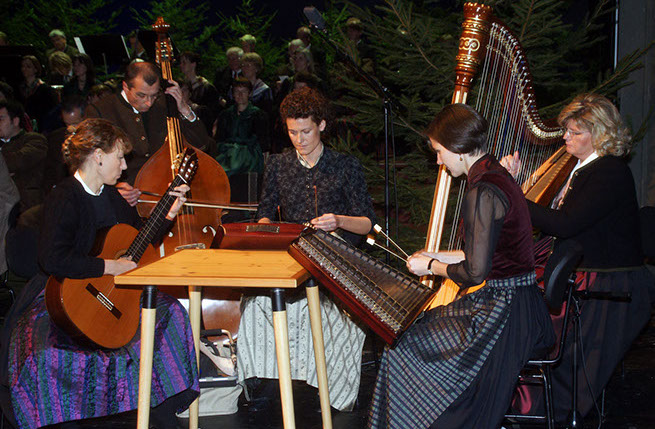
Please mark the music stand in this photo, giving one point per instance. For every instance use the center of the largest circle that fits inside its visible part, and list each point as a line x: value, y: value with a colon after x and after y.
x: 10, y: 58
x: 106, y: 50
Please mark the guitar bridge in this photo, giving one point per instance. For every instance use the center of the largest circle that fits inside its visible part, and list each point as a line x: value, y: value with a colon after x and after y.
x: 106, y: 302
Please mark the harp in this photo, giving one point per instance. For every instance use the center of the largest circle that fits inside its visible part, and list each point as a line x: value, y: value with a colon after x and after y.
x: 493, y: 76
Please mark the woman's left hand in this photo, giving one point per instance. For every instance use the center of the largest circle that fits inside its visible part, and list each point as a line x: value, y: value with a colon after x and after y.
x: 179, y: 192
x: 328, y: 222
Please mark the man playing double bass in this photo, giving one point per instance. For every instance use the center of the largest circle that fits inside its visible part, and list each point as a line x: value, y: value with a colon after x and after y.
x: 141, y: 112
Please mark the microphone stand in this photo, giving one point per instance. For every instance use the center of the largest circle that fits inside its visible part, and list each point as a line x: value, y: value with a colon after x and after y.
x: 389, y: 104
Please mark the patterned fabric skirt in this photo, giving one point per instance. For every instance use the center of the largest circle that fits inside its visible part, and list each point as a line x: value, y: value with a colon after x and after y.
x: 54, y: 380
x: 344, y: 341
x: 457, y: 366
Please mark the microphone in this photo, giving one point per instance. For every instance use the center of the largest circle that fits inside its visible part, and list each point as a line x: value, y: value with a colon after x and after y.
x: 315, y: 18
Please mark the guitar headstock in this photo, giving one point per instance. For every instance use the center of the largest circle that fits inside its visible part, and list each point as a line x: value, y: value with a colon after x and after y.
x: 186, y: 164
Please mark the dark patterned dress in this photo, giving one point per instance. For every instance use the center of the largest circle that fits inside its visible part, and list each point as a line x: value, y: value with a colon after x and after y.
x: 341, y: 189
x: 456, y: 367
x: 51, y: 379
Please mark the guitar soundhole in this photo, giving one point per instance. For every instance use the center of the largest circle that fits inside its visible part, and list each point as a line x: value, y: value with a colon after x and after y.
x: 104, y: 300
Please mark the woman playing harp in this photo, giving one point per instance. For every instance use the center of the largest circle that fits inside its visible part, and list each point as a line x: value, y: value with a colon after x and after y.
x: 457, y: 366
x: 598, y: 208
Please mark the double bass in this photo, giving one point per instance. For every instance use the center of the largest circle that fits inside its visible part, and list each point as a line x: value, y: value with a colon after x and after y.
x: 195, y: 226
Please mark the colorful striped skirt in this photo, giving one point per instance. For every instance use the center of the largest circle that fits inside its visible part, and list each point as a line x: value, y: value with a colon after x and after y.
x: 52, y: 379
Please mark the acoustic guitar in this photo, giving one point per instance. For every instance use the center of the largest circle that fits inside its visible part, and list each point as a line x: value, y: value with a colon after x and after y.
x: 94, y: 311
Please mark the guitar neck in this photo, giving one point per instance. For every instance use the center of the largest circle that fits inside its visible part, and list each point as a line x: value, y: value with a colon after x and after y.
x: 154, y: 223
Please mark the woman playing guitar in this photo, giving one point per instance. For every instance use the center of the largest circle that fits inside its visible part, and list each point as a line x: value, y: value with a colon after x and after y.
x: 50, y: 377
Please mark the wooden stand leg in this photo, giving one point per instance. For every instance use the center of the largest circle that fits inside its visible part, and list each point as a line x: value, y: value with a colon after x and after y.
x: 314, y: 305
x: 282, y: 352
x: 148, y: 315
x: 194, y: 317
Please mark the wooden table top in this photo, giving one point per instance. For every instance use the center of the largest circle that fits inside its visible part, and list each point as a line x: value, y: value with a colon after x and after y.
x: 220, y: 268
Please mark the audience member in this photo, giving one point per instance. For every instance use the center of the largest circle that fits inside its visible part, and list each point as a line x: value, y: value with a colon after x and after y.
x: 248, y: 43
x: 9, y: 196
x: 4, y: 40
x: 261, y: 95
x: 364, y: 53
x: 242, y: 133
x: 61, y: 68
x: 54, y: 171
x: 224, y: 76
x: 318, y: 55
x: 202, y: 94
x: 84, y: 76
x: 24, y: 154
x: 7, y: 93
x: 59, y: 44
x: 97, y: 92
x: 38, y: 98
x: 137, y: 51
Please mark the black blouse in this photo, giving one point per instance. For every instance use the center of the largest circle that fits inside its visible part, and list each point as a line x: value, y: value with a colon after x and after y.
x: 339, y: 182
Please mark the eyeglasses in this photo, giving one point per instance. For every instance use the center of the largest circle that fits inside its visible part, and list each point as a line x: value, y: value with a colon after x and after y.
x: 146, y: 97
x: 572, y: 133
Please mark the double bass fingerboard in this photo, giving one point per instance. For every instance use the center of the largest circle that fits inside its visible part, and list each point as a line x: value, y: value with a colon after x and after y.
x: 385, y: 299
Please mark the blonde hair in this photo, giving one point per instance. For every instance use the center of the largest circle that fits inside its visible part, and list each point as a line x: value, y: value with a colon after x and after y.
x: 89, y: 135
x: 60, y: 61
x: 596, y: 114
x: 253, y: 58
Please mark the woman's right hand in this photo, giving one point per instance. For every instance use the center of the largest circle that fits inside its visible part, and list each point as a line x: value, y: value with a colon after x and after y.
x: 512, y: 163
x: 115, y: 267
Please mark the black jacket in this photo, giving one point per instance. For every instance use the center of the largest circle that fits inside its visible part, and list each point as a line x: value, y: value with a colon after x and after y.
x: 600, y: 211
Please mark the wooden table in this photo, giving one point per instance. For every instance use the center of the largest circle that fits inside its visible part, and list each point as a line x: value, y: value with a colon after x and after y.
x: 193, y: 268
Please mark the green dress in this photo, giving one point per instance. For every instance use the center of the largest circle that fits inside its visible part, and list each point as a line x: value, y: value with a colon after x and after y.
x: 242, y: 138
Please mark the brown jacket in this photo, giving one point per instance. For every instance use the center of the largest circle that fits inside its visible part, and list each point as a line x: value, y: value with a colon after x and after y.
x: 25, y: 156
x: 146, y: 130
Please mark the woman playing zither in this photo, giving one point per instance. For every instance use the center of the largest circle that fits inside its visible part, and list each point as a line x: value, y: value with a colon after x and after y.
x: 311, y: 183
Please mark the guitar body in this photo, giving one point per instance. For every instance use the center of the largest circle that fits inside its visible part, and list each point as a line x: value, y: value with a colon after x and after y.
x: 94, y: 311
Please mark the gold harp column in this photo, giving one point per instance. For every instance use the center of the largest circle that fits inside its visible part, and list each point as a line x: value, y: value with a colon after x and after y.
x: 472, y: 43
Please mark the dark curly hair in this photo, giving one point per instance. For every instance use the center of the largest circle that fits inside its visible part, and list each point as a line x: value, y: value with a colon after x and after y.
x: 305, y: 103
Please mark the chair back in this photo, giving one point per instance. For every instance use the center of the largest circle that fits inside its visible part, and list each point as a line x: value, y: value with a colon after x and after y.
x: 647, y: 224
x: 562, y: 262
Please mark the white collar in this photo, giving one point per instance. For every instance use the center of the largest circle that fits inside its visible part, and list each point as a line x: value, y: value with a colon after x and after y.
x: 304, y: 162
x: 581, y: 164
x: 86, y: 188
x: 125, y: 97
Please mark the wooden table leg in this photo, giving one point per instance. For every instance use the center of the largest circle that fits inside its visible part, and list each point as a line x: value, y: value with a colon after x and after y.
x: 282, y: 352
x: 194, y: 317
x: 314, y: 305
x: 148, y: 315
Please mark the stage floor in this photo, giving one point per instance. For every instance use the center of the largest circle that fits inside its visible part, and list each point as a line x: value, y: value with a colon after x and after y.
x: 628, y: 399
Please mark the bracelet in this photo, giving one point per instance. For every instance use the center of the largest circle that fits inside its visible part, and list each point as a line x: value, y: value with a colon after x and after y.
x: 430, y: 266
x: 192, y: 115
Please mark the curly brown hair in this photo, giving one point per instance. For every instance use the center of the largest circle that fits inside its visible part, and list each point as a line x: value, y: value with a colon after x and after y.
x: 89, y: 135
x: 305, y: 103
